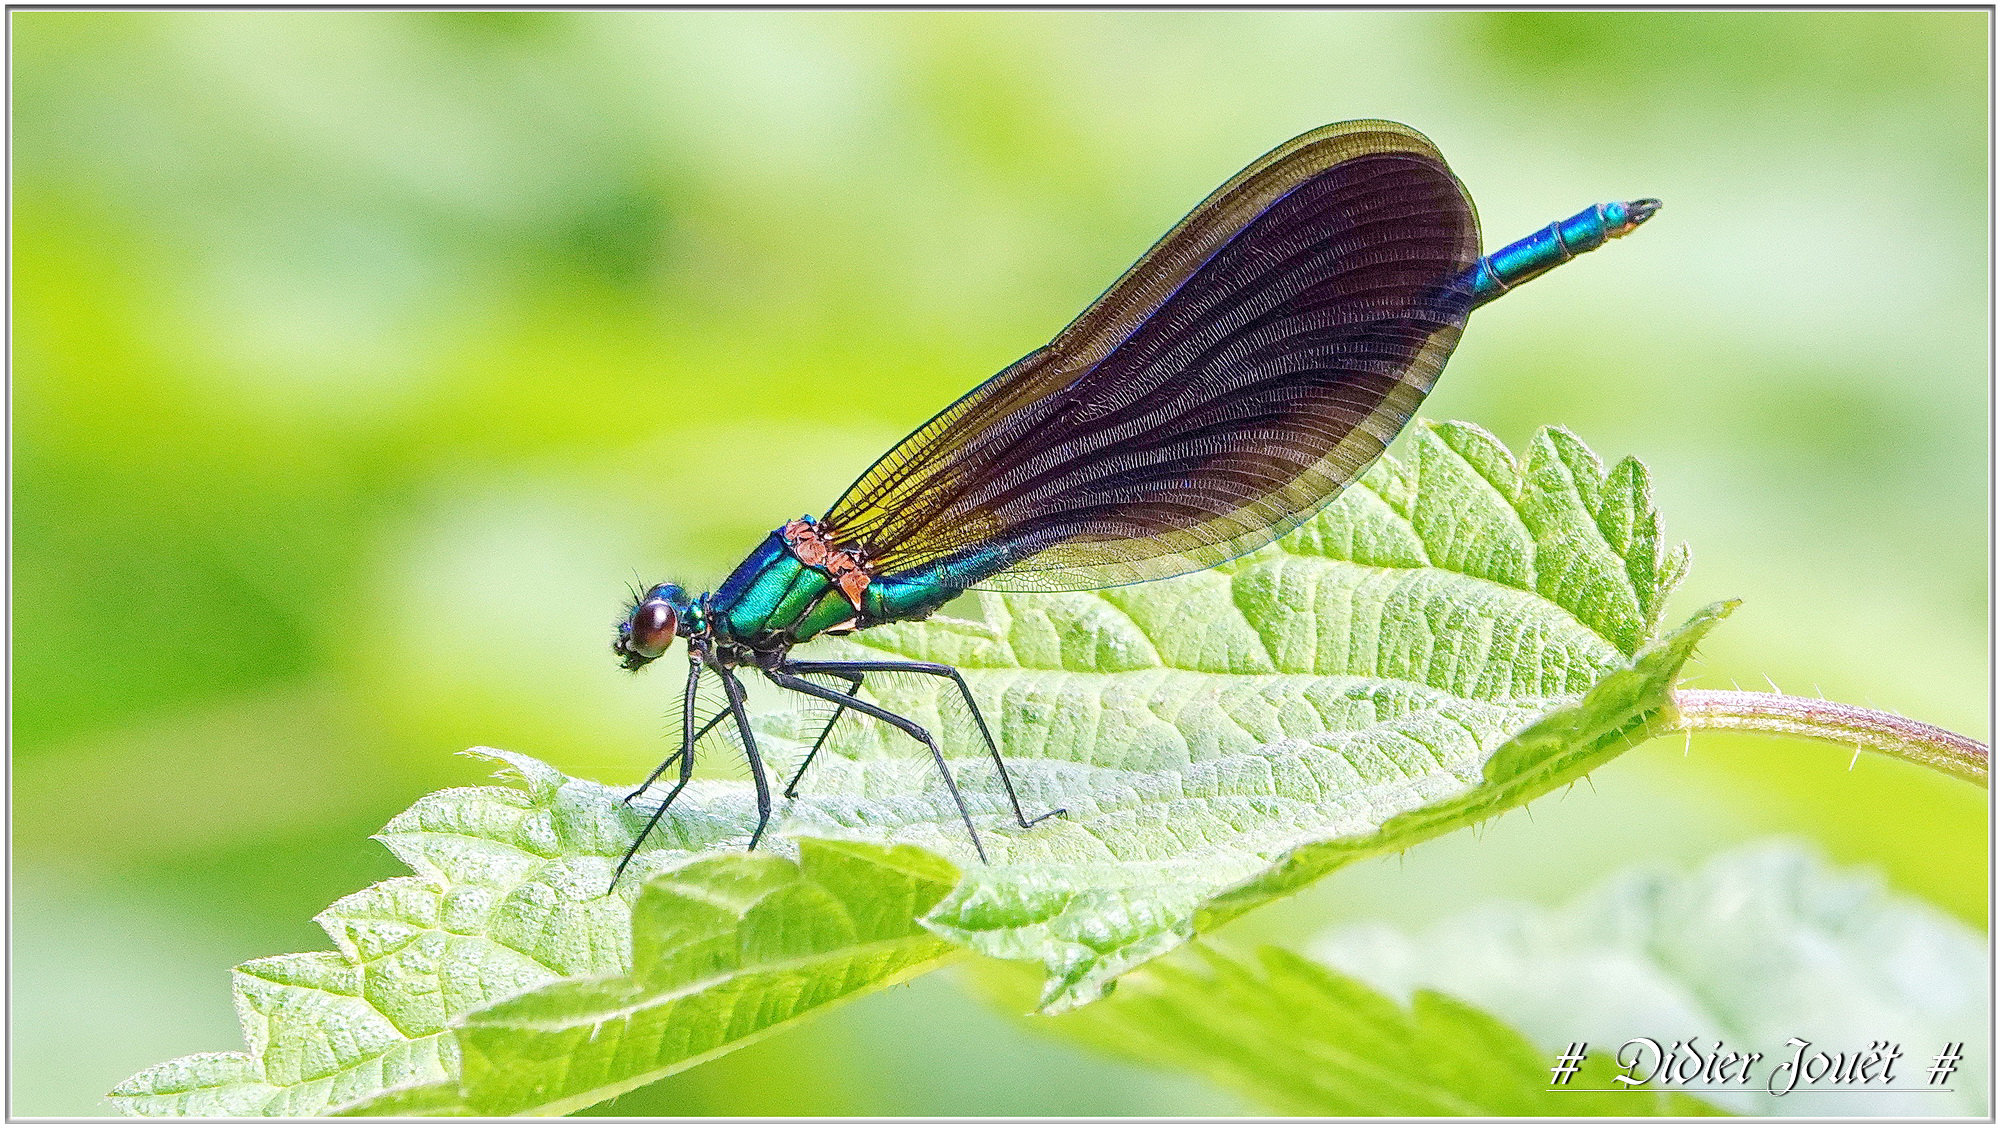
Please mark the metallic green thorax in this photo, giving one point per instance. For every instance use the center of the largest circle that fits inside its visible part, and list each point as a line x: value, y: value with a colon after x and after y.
x: 773, y: 599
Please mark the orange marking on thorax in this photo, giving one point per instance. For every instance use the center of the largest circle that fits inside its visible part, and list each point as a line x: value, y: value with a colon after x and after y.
x: 813, y: 548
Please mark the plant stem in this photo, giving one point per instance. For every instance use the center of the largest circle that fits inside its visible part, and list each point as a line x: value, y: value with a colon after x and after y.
x: 1836, y: 722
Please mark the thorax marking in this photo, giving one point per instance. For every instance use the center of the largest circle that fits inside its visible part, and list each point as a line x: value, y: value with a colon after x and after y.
x: 810, y: 544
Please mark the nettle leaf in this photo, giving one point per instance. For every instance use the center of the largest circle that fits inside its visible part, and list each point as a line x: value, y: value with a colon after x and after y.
x: 725, y: 949
x: 1303, y: 1040
x: 1759, y: 946
x: 1459, y: 632
x: 503, y: 978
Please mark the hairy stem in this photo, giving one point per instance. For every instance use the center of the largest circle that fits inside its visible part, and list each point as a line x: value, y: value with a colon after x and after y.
x: 1841, y: 724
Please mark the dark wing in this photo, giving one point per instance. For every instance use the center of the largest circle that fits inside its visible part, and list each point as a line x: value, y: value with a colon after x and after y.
x: 1252, y: 364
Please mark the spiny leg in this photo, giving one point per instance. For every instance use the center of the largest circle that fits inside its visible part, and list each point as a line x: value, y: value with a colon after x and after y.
x: 855, y: 670
x: 735, y: 691
x: 669, y: 762
x: 790, y: 681
x: 792, y: 789
x: 686, y: 757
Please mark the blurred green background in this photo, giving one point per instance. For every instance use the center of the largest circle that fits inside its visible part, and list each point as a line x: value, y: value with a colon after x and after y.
x: 363, y: 359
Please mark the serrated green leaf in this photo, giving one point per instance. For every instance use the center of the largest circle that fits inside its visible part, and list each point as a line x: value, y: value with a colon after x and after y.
x: 501, y: 902
x: 215, y: 1084
x: 726, y: 949
x: 1758, y: 946
x: 511, y: 896
x: 1301, y: 1039
x: 1459, y: 632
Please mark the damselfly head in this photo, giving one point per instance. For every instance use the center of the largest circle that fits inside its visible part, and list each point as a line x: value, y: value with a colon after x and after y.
x: 650, y: 627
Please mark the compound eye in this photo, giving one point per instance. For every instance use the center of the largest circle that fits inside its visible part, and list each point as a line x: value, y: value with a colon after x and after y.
x: 653, y: 627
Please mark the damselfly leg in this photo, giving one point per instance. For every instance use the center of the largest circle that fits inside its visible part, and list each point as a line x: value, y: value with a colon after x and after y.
x: 678, y: 754
x: 792, y: 788
x: 792, y: 676
x: 855, y: 671
x: 686, y: 758
x: 793, y: 682
x: 734, y: 688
